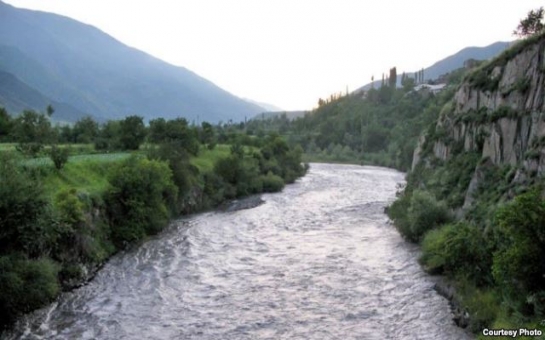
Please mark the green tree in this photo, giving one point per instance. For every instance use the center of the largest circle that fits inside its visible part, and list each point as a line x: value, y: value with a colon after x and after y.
x: 5, y: 124
x: 65, y: 133
x: 139, y: 199
x: 531, y: 25
x: 407, y: 83
x: 207, y: 135
x: 109, y: 136
x: 175, y: 132
x: 59, y: 156
x: 85, y: 130
x: 32, y: 130
x: 25, y: 223
x: 132, y: 132
x: 393, y: 78
x: 157, y: 130
x: 184, y: 174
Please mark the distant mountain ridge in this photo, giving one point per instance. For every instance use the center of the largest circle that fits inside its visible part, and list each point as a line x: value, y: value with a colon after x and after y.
x: 451, y: 63
x: 266, y: 106
x: 79, y: 66
x: 16, y: 96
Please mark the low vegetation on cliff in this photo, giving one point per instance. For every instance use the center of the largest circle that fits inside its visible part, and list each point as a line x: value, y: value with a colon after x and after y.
x: 474, y: 198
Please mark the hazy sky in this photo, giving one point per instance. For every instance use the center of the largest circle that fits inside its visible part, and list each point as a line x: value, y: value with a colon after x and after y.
x: 291, y: 52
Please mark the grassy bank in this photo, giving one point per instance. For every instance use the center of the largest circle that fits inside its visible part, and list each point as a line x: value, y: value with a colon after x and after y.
x: 59, y: 225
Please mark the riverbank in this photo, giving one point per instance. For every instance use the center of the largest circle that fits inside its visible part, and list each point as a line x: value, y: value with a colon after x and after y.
x: 69, y: 222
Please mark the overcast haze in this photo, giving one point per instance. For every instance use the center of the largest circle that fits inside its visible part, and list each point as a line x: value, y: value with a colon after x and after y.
x: 289, y: 53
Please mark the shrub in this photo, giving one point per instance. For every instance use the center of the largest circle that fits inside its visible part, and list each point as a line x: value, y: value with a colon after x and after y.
x: 59, y: 156
x: 184, y: 174
x: 519, y: 263
x: 25, y: 223
x: 457, y: 248
x: 424, y: 214
x: 482, y: 304
x: 272, y: 183
x: 397, y: 211
x: 214, y: 188
x: 69, y: 206
x: 26, y: 285
x: 227, y: 169
x: 141, y: 190
x: 242, y: 173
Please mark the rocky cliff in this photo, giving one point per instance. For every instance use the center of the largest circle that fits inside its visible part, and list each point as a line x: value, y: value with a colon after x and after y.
x: 474, y: 199
x: 498, y: 113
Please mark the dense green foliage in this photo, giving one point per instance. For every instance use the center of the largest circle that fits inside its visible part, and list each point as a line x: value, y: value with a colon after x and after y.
x: 519, y: 261
x: 60, y: 218
x: 494, y: 252
x: 494, y: 249
x: 137, y: 202
x: 423, y: 214
x: 380, y: 126
x: 59, y: 156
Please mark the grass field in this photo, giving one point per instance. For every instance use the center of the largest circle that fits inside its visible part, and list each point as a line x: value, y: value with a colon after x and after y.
x: 87, y: 171
x: 206, y: 159
x: 84, y: 173
x: 75, y: 149
x: 7, y: 146
x: 88, y: 176
x: 92, y: 158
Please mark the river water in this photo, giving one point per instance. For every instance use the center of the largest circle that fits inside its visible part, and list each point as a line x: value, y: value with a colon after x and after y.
x: 317, y: 261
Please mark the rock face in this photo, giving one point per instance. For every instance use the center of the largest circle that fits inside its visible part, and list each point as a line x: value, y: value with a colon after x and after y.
x: 498, y: 112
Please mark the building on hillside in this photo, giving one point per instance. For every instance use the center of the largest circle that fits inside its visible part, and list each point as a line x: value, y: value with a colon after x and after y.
x: 431, y: 88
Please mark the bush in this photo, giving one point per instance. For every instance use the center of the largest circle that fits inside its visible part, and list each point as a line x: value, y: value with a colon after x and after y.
x: 215, y: 189
x: 482, y: 304
x: 424, y: 214
x: 398, y: 210
x: 59, y: 156
x: 184, y: 174
x: 25, y: 223
x: 26, y: 285
x: 69, y: 206
x: 519, y: 263
x: 141, y: 190
x: 242, y: 173
x: 457, y: 248
x: 272, y: 183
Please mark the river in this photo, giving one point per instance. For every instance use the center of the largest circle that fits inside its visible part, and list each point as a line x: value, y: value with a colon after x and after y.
x: 318, y: 261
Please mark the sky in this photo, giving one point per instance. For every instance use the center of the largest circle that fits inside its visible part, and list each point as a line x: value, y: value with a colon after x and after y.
x: 290, y: 53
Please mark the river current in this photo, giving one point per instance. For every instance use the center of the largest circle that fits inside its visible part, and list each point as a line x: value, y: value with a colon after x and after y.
x: 318, y: 261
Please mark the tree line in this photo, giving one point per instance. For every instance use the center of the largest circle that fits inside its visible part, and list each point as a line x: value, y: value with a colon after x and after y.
x: 379, y: 126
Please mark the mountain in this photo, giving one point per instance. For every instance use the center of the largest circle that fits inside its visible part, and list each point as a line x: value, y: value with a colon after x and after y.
x: 452, y: 62
x: 79, y: 66
x: 266, y: 106
x: 16, y: 96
